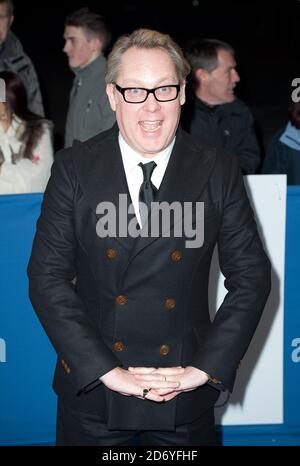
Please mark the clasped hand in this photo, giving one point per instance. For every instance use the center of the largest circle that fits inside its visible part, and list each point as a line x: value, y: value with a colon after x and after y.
x: 164, y: 383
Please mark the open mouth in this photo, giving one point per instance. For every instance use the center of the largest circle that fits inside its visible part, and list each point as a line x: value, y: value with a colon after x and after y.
x: 150, y: 126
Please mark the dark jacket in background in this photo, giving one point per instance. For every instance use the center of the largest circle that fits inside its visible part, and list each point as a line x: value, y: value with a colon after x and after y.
x: 229, y: 126
x: 13, y: 58
x: 282, y: 159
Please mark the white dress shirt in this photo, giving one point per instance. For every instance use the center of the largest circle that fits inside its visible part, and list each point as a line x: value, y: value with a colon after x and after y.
x: 134, y: 173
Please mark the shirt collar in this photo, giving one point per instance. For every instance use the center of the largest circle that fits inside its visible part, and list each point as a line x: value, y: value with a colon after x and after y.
x: 131, y: 158
x: 96, y: 66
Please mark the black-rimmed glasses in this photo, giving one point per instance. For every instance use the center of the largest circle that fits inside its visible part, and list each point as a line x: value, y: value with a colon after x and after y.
x: 138, y: 95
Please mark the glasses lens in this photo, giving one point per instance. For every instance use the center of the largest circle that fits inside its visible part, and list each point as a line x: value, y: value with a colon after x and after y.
x: 166, y: 93
x: 135, y: 95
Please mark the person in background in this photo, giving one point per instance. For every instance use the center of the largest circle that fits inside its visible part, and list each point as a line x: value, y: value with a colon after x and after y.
x: 26, y: 152
x: 212, y: 113
x: 86, y: 37
x: 283, y: 152
x: 13, y: 58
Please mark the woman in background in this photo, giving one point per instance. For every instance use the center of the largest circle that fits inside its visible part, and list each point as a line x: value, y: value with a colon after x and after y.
x: 283, y: 153
x: 26, y: 152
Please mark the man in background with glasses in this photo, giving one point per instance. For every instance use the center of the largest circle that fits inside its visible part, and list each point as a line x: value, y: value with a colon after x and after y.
x: 137, y: 352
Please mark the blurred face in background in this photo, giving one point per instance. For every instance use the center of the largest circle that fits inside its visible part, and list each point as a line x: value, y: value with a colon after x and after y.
x: 6, y: 20
x: 5, y: 116
x: 81, y: 50
x: 217, y: 86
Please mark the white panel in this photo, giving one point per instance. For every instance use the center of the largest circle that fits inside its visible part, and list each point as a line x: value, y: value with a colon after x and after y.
x: 258, y: 393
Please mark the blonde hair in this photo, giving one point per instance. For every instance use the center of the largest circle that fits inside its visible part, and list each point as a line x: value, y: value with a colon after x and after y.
x: 146, y: 39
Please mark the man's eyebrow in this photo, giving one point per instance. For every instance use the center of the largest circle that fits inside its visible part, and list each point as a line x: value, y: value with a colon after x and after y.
x: 231, y: 67
x: 160, y: 82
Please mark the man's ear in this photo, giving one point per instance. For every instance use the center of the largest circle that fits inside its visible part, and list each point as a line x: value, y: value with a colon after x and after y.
x: 97, y: 44
x: 110, y: 91
x: 11, y: 20
x: 201, y: 74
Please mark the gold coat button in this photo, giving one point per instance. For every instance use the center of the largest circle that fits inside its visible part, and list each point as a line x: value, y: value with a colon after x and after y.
x: 111, y: 253
x: 170, y: 303
x: 164, y: 350
x: 118, y: 346
x: 176, y: 255
x: 121, y: 300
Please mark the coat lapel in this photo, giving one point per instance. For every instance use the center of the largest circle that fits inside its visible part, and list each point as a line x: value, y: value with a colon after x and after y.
x: 102, y: 177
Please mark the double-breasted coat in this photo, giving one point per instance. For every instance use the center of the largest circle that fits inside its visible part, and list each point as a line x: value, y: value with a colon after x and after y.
x: 120, y: 301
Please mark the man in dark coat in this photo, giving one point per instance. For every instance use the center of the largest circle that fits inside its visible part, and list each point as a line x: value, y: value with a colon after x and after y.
x: 13, y: 58
x: 127, y: 311
x: 212, y: 113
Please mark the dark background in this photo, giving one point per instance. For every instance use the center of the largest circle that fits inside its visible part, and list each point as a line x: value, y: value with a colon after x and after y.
x: 264, y: 34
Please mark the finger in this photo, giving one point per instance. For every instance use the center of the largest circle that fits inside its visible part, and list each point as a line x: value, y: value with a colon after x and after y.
x: 169, y: 370
x: 142, y: 370
x: 163, y: 385
x: 151, y: 381
x: 155, y: 378
x: 164, y: 391
x: 171, y: 396
x: 160, y: 370
x: 152, y: 396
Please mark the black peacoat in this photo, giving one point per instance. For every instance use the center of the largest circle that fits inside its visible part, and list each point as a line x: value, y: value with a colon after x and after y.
x: 119, y: 301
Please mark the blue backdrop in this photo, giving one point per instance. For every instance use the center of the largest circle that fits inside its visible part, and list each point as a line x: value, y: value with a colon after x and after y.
x: 27, y: 402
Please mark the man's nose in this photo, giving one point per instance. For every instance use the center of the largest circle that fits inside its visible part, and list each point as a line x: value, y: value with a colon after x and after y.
x: 65, y: 48
x: 235, y: 76
x: 151, y: 104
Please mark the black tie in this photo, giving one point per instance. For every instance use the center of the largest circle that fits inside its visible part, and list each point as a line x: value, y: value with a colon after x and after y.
x: 147, y: 189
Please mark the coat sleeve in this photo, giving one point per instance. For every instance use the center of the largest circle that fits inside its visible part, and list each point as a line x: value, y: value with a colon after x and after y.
x: 51, y: 272
x: 246, y: 269
x: 35, y: 100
